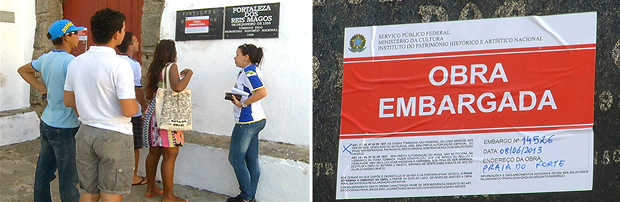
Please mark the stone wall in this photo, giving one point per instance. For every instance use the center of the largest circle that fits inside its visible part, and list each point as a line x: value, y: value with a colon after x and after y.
x: 151, y: 22
x: 47, y: 12
x: 330, y: 17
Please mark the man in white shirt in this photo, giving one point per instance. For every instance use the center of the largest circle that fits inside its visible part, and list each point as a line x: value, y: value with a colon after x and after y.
x: 100, y: 86
x: 127, y: 49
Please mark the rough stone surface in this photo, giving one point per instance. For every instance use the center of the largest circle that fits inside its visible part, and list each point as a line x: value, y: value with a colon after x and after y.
x: 47, y: 12
x: 150, y: 38
x: 151, y: 21
x: 315, y: 65
x: 330, y: 17
x: 53, y: 6
x: 470, y: 8
x: 318, y: 2
x: 153, y: 7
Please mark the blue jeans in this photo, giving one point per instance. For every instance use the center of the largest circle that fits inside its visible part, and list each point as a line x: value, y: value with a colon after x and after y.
x: 243, y: 156
x: 57, y: 152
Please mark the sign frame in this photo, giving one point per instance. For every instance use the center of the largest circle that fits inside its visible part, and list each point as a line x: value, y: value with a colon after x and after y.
x: 214, y: 24
x: 252, y: 21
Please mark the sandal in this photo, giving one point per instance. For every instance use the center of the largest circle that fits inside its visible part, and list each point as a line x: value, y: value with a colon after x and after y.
x: 180, y: 200
x: 142, y: 182
x: 160, y: 192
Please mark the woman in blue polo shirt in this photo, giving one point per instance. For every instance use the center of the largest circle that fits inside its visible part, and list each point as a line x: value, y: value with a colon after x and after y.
x: 250, y: 118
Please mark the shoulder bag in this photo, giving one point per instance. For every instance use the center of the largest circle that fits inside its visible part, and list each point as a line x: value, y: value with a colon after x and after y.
x: 173, y: 109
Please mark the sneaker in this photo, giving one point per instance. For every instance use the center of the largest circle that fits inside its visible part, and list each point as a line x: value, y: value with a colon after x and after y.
x: 235, y: 199
x: 239, y: 199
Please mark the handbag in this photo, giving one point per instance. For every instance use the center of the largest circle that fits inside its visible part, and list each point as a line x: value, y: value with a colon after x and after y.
x: 173, y: 110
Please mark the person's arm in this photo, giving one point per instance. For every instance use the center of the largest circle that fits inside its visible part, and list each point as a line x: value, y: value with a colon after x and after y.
x: 27, y: 73
x: 176, y: 83
x: 256, y: 96
x: 140, y: 98
x: 69, y: 100
x: 129, y: 107
x: 149, y: 93
x: 126, y: 89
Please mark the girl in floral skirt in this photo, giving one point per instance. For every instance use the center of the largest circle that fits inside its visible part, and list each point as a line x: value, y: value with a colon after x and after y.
x: 162, y: 142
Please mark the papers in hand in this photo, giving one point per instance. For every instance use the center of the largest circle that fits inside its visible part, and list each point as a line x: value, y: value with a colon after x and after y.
x: 239, y: 92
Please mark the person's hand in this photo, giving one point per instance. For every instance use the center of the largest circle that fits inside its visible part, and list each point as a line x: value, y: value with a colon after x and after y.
x: 186, y: 72
x: 235, y: 101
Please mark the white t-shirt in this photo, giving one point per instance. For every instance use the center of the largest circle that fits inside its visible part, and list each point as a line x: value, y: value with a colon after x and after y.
x: 99, y: 78
x: 137, y: 76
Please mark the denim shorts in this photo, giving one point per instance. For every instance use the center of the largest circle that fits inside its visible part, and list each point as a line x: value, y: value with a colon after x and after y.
x: 104, y: 160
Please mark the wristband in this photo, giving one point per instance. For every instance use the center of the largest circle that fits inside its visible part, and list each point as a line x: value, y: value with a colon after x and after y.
x: 243, y: 105
x: 43, y: 97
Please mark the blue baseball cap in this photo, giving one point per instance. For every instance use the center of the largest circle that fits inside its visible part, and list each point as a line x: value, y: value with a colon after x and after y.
x: 62, y: 27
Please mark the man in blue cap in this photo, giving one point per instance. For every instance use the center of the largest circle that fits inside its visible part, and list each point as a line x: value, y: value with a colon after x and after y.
x: 59, y: 124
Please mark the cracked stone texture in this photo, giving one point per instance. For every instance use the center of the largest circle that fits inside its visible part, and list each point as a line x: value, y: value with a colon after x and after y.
x: 330, y: 17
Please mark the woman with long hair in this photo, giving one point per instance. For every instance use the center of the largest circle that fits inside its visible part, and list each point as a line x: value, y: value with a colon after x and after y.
x: 250, y: 118
x: 162, y: 142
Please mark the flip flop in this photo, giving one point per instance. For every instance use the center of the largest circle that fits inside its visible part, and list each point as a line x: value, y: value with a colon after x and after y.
x: 181, y: 200
x: 160, y: 192
x: 142, y: 182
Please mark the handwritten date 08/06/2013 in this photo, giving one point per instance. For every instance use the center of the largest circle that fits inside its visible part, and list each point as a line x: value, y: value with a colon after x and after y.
x: 526, y: 140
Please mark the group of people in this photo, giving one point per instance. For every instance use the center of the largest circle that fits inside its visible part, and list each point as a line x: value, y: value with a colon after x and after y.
x: 97, y: 113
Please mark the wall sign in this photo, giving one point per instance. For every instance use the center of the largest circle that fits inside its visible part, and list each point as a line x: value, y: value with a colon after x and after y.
x: 199, y: 24
x: 82, y: 43
x: 252, y: 21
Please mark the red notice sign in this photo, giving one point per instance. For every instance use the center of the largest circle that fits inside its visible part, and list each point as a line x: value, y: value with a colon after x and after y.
x: 197, y: 24
x: 468, y: 91
x: 471, y: 107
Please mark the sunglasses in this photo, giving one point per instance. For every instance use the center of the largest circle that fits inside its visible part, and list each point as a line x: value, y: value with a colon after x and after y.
x: 245, y: 46
x: 71, y: 33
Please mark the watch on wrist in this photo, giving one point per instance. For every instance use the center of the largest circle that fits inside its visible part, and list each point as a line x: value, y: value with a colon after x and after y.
x: 243, y: 105
x: 43, y: 96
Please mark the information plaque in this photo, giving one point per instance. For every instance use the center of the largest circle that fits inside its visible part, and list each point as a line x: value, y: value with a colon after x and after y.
x: 252, y: 21
x: 199, y: 24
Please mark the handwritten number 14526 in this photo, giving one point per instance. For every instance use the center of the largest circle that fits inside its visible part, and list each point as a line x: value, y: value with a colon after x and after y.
x: 529, y: 140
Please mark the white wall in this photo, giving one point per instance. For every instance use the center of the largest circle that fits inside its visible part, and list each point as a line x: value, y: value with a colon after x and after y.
x: 19, y: 128
x: 219, y: 178
x: 207, y: 168
x: 287, y: 68
x: 16, y: 49
x: 16, y: 41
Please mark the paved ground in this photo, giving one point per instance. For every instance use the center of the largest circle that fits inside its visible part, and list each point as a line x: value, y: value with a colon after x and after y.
x: 18, y: 163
